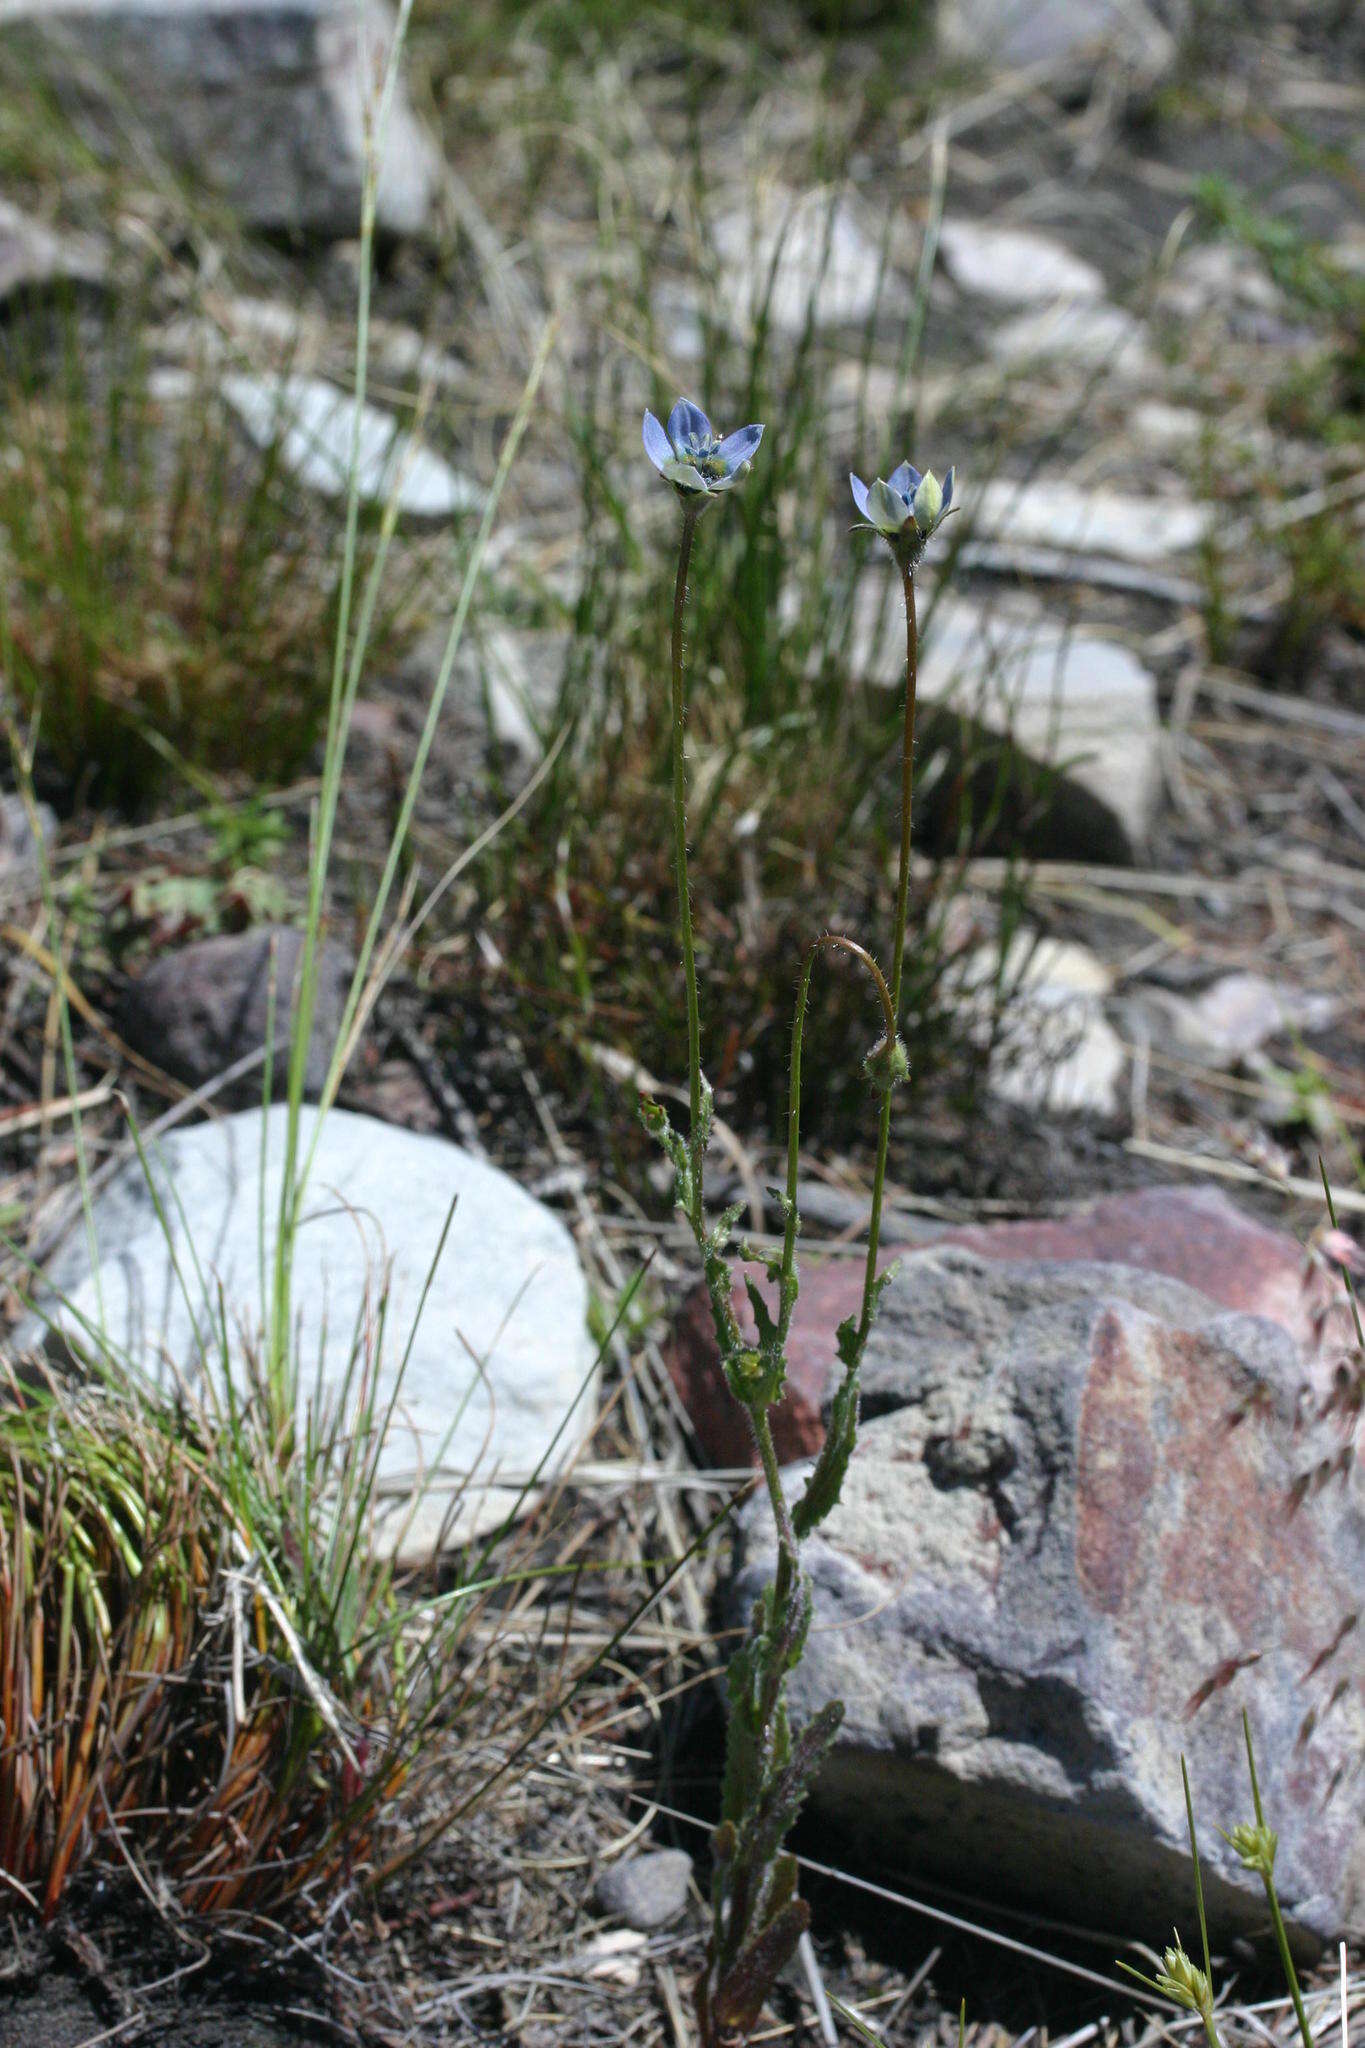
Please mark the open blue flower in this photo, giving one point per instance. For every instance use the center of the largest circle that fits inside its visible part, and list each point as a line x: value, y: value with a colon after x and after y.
x: 904, y: 508
x: 690, y: 455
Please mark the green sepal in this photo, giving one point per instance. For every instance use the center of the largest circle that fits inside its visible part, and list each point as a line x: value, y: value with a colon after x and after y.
x: 887, y: 1066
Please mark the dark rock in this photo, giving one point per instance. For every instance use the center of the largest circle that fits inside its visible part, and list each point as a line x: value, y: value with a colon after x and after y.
x: 1192, y: 1234
x: 1068, y: 1552
x: 199, y: 1009
x: 264, y: 102
x: 646, y: 1891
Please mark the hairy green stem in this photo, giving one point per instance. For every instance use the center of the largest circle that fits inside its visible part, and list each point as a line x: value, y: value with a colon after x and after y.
x: 786, y: 1535
x: 689, y: 953
x: 874, y: 1228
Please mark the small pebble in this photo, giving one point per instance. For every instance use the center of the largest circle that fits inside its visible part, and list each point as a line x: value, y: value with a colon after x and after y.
x: 647, y: 1891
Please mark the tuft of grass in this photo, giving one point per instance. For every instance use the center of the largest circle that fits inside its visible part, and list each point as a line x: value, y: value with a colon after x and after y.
x: 151, y: 1705
x: 168, y: 596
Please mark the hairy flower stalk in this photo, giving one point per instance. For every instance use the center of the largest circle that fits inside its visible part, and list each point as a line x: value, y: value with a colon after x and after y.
x: 757, y: 1917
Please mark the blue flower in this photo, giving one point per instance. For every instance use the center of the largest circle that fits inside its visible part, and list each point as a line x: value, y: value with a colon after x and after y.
x: 692, y: 457
x: 904, y: 508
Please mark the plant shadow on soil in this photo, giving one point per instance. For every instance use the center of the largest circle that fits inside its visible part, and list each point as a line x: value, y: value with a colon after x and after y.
x: 108, y: 1970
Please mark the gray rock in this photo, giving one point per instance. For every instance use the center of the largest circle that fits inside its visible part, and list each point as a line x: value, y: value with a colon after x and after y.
x: 803, y: 257
x: 1231, y: 1020
x: 499, y: 1358
x: 313, y: 421
x: 34, y: 259
x: 1217, y: 277
x: 264, y: 102
x: 1063, y: 1557
x: 646, y: 1891
x: 1080, y: 709
x: 1016, y: 265
x: 20, y: 867
x: 1055, y: 32
x: 199, y: 1009
x: 515, y: 673
x: 1074, y: 333
x: 1062, y: 515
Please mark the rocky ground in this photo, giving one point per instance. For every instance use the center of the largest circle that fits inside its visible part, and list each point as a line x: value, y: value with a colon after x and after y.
x: 1111, y: 263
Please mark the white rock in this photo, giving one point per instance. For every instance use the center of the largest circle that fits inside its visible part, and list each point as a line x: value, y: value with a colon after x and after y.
x: 264, y: 102
x: 1057, y: 1051
x: 1230, y: 1021
x: 521, y: 673
x: 1080, y: 706
x: 33, y: 258
x: 1157, y: 424
x: 21, y: 853
x: 1072, y: 333
x: 1024, y: 32
x: 814, y: 250
x: 312, y: 420
x: 1063, y: 515
x: 1016, y: 265
x: 508, y: 1291
x: 1219, y: 277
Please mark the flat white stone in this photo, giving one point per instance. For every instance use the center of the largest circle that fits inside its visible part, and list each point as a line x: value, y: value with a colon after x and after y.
x: 33, y: 258
x: 1016, y: 265
x: 313, y: 422
x: 1104, y: 522
x: 1077, y: 705
x: 508, y: 1291
x: 1154, y: 423
x: 1057, y: 1050
x: 1073, y: 332
x: 1230, y: 1021
x: 1026, y: 32
x: 810, y: 257
x: 1219, y: 277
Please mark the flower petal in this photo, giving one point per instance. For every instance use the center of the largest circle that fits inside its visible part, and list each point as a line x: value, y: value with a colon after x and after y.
x: 687, y: 422
x: 658, y: 447
x: 859, y: 490
x: 684, y: 476
x: 905, y: 479
x: 948, y: 489
x: 740, y: 447
x: 928, y: 505
x: 886, y: 508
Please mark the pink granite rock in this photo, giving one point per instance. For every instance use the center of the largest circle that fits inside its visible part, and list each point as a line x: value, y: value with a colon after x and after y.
x: 1192, y: 1234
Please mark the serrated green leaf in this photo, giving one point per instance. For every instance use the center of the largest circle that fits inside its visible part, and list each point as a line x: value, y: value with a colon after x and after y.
x: 821, y: 1492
